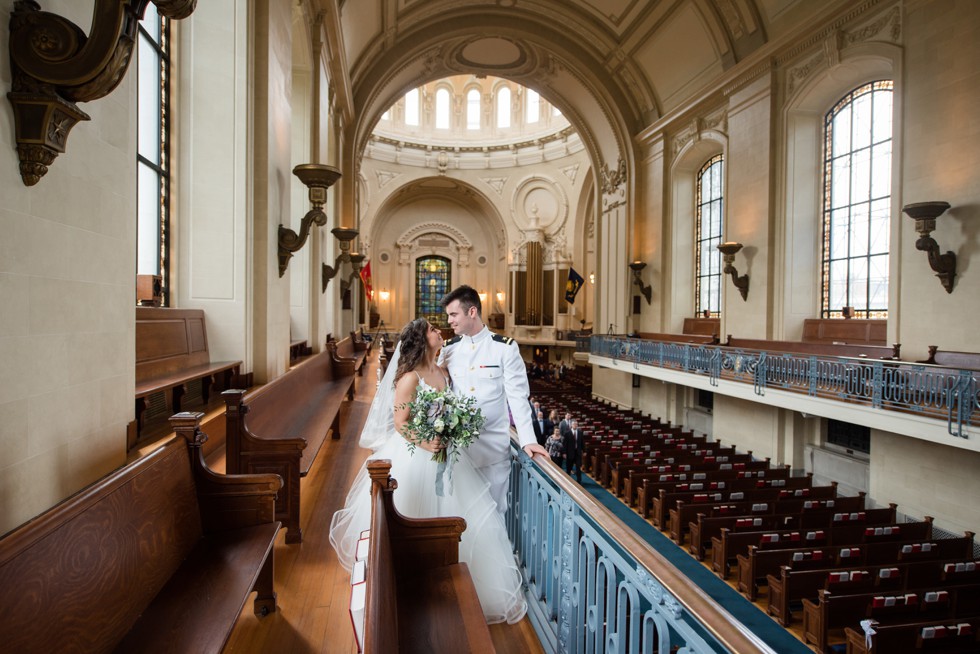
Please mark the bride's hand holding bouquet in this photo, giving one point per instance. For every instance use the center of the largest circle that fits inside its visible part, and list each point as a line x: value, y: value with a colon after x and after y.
x: 442, y: 422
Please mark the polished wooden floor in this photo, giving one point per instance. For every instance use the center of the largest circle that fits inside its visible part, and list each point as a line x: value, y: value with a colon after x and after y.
x: 312, y: 586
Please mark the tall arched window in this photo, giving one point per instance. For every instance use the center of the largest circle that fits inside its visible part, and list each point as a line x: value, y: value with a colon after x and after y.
x: 442, y: 109
x: 857, y: 202
x: 533, y: 106
x: 432, y: 282
x: 473, y: 109
x: 710, y: 207
x: 412, y: 108
x: 503, y: 107
x: 153, y: 149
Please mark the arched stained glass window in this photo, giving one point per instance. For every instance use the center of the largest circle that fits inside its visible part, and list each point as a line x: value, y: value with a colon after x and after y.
x: 442, y: 109
x: 710, y: 207
x: 503, y: 107
x: 473, y: 109
x: 432, y: 282
x: 412, y: 108
x: 857, y: 202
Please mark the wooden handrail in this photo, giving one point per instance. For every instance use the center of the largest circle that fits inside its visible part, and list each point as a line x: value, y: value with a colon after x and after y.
x: 731, y: 633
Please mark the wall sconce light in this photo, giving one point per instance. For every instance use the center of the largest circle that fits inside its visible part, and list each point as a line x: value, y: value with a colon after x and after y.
x: 317, y: 178
x: 385, y: 295
x: 483, y: 297
x: 592, y: 278
x: 344, y: 235
x: 647, y: 290
x: 356, y: 263
x: 500, y: 297
x: 728, y: 251
x: 924, y: 214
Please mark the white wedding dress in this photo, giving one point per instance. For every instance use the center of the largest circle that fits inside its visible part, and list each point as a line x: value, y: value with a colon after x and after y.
x: 484, y: 547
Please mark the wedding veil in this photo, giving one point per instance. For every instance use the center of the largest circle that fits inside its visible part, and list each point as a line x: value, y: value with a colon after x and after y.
x: 380, y: 423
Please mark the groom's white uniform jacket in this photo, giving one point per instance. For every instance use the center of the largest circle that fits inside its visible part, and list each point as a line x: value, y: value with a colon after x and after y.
x: 489, y: 367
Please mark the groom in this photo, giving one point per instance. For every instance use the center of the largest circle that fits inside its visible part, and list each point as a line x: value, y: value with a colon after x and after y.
x: 489, y: 367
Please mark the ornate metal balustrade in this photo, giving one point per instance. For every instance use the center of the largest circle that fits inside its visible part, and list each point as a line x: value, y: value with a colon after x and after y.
x: 595, y: 587
x: 927, y: 390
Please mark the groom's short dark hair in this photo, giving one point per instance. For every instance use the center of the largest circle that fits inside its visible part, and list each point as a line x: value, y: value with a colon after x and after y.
x: 467, y: 296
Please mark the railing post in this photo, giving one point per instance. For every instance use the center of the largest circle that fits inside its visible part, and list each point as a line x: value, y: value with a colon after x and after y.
x: 877, y: 384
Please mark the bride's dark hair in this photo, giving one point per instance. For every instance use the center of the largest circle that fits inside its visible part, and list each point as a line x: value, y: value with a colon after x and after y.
x: 414, y: 343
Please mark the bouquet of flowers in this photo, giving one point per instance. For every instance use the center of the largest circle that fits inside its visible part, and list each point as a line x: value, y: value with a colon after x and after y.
x: 443, y: 416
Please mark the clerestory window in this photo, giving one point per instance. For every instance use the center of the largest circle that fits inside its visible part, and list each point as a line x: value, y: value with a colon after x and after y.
x: 857, y: 202
x: 710, y: 208
x: 153, y: 150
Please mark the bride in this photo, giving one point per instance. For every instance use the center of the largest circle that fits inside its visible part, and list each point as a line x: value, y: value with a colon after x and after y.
x: 484, y: 547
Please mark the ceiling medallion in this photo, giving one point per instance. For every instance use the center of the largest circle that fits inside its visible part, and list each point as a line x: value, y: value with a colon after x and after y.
x: 492, y: 55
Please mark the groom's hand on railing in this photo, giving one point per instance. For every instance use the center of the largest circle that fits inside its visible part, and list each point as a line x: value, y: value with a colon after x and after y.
x: 533, y: 448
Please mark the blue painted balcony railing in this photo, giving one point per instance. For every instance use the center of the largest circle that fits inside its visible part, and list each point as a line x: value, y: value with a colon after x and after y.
x: 926, y: 390
x: 595, y: 587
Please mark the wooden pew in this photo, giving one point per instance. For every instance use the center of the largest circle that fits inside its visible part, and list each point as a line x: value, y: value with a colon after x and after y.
x: 951, y: 359
x: 852, y: 331
x: 705, y: 527
x: 420, y: 598
x: 702, y: 326
x: 158, y: 556
x: 280, y: 426
x: 691, y: 339
x: 957, y: 636
x: 171, y: 352
x: 832, y: 611
x: 667, y: 500
x: 640, y: 488
x: 298, y: 349
x: 684, y: 513
x: 796, y: 585
x: 759, y: 564
x: 348, y: 348
x: 855, y: 350
x: 726, y: 548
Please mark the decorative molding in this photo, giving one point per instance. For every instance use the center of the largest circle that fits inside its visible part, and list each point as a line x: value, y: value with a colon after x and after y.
x: 798, y: 74
x: 613, y: 180
x: 570, y: 172
x: 496, y: 183
x: 694, y: 132
x: 820, y: 35
x: 884, y: 28
x: 736, y: 26
x: 891, y: 21
x: 54, y: 64
x: 746, y: 78
x: 408, y: 242
x: 385, y: 176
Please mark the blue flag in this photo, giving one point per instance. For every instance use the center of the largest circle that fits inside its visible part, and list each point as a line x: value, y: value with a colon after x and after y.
x: 573, y: 285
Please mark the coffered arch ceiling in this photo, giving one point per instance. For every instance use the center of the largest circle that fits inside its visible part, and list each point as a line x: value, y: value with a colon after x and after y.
x: 612, y: 66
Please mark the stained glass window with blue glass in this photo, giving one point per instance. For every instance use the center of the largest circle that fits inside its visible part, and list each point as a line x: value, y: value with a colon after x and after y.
x: 432, y: 282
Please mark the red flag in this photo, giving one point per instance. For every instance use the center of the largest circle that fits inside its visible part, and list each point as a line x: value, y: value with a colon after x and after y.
x: 366, y: 280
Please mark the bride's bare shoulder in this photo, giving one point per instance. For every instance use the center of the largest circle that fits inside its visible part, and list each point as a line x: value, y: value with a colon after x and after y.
x: 406, y: 384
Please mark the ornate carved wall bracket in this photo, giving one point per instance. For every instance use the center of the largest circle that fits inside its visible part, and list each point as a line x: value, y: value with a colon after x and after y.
x: 54, y: 65
x: 317, y: 178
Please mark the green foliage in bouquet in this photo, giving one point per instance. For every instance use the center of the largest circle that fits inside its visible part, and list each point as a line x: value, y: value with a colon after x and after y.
x: 443, y: 416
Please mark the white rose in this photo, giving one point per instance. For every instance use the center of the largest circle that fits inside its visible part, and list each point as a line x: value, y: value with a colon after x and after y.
x: 439, y: 425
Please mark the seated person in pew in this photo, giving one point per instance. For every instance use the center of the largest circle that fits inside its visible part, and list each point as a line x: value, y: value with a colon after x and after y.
x: 484, y: 546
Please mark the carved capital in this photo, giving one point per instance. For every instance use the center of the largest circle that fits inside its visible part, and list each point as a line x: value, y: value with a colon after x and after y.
x: 41, y: 124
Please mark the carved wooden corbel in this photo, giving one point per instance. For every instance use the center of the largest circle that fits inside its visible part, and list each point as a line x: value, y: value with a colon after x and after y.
x: 54, y: 65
